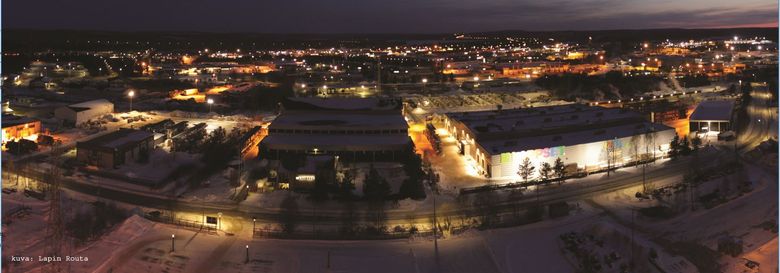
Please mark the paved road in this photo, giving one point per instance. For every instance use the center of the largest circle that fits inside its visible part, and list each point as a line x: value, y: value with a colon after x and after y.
x: 271, y: 215
x: 762, y: 123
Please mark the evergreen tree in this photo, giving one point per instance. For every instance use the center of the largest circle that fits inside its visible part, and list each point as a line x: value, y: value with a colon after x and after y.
x: 685, y: 146
x: 545, y: 171
x: 559, y: 169
x: 526, y: 169
x: 375, y: 187
x: 347, y: 185
x: 674, y: 147
x: 696, y: 143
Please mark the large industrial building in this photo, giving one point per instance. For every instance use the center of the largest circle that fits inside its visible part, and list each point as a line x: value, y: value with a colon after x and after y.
x: 353, y: 129
x: 79, y: 113
x: 712, y: 116
x: 588, y: 137
x: 116, y: 148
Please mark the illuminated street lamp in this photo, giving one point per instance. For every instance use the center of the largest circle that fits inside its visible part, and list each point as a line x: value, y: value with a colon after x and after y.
x: 219, y: 220
x: 173, y: 239
x: 210, y: 102
x: 247, y: 254
x: 131, y: 94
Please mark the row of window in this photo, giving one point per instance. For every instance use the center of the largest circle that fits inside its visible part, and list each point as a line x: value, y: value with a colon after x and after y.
x: 339, y: 132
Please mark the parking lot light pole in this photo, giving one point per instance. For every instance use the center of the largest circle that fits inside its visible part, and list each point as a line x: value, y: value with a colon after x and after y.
x: 247, y: 254
x: 131, y: 94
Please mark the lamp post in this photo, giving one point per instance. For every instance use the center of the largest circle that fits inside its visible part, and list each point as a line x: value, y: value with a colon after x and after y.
x: 210, y: 102
x: 247, y: 254
x: 131, y: 94
x: 173, y: 239
x: 219, y: 221
x: 254, y: 223
x: 424, y: 82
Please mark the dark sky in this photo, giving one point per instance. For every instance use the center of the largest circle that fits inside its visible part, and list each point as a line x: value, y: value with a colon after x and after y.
x: 385, y: 16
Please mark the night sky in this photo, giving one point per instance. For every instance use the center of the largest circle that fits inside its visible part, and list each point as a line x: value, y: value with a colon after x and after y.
x: 384, y: 16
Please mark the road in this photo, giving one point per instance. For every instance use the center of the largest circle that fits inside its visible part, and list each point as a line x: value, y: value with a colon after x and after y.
x: 332, y: 218
x: 762, y: 123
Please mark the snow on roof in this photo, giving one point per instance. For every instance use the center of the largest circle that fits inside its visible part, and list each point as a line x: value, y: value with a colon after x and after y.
x: 336, y: 142
x: 347, y: 103
x: 117, y: 140
x: 82, y: 106
x: 571, y: 138
x: 13, y: 120
x: 713, y: 110
x: 532, y: 119
x: 318, y: 119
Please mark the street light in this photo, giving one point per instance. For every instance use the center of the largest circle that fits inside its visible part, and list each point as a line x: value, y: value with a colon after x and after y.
x: 131, y: 94
x: 247, y: 254
x: 210, y: 101
x: 173, y: 238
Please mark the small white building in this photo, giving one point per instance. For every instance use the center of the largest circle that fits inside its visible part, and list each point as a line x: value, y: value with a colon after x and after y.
x: 76, y: 114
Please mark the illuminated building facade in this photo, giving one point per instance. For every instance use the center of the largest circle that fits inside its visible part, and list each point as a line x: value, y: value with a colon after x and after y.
x: 589, y: 138
x: 17, y: 127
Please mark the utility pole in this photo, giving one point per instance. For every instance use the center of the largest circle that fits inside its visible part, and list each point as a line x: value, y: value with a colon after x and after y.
x: 54, y: 229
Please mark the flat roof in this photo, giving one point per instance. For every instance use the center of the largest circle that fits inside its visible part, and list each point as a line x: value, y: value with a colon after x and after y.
x: 539, y: 118
x: 516, y: 130
x: 365, y: 104
x: 713, y: 110
x: 337, y: 142
x: 87, y: 105
x: 338, y: 120
x: 519, y: 144
x: 14, y: 120
x: 116, y: 140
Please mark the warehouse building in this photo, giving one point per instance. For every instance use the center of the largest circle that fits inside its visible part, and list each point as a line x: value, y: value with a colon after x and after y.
x: 116, y: 148
x: 79, y: 113
x: 712, y: 116
x: 589, y: 138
